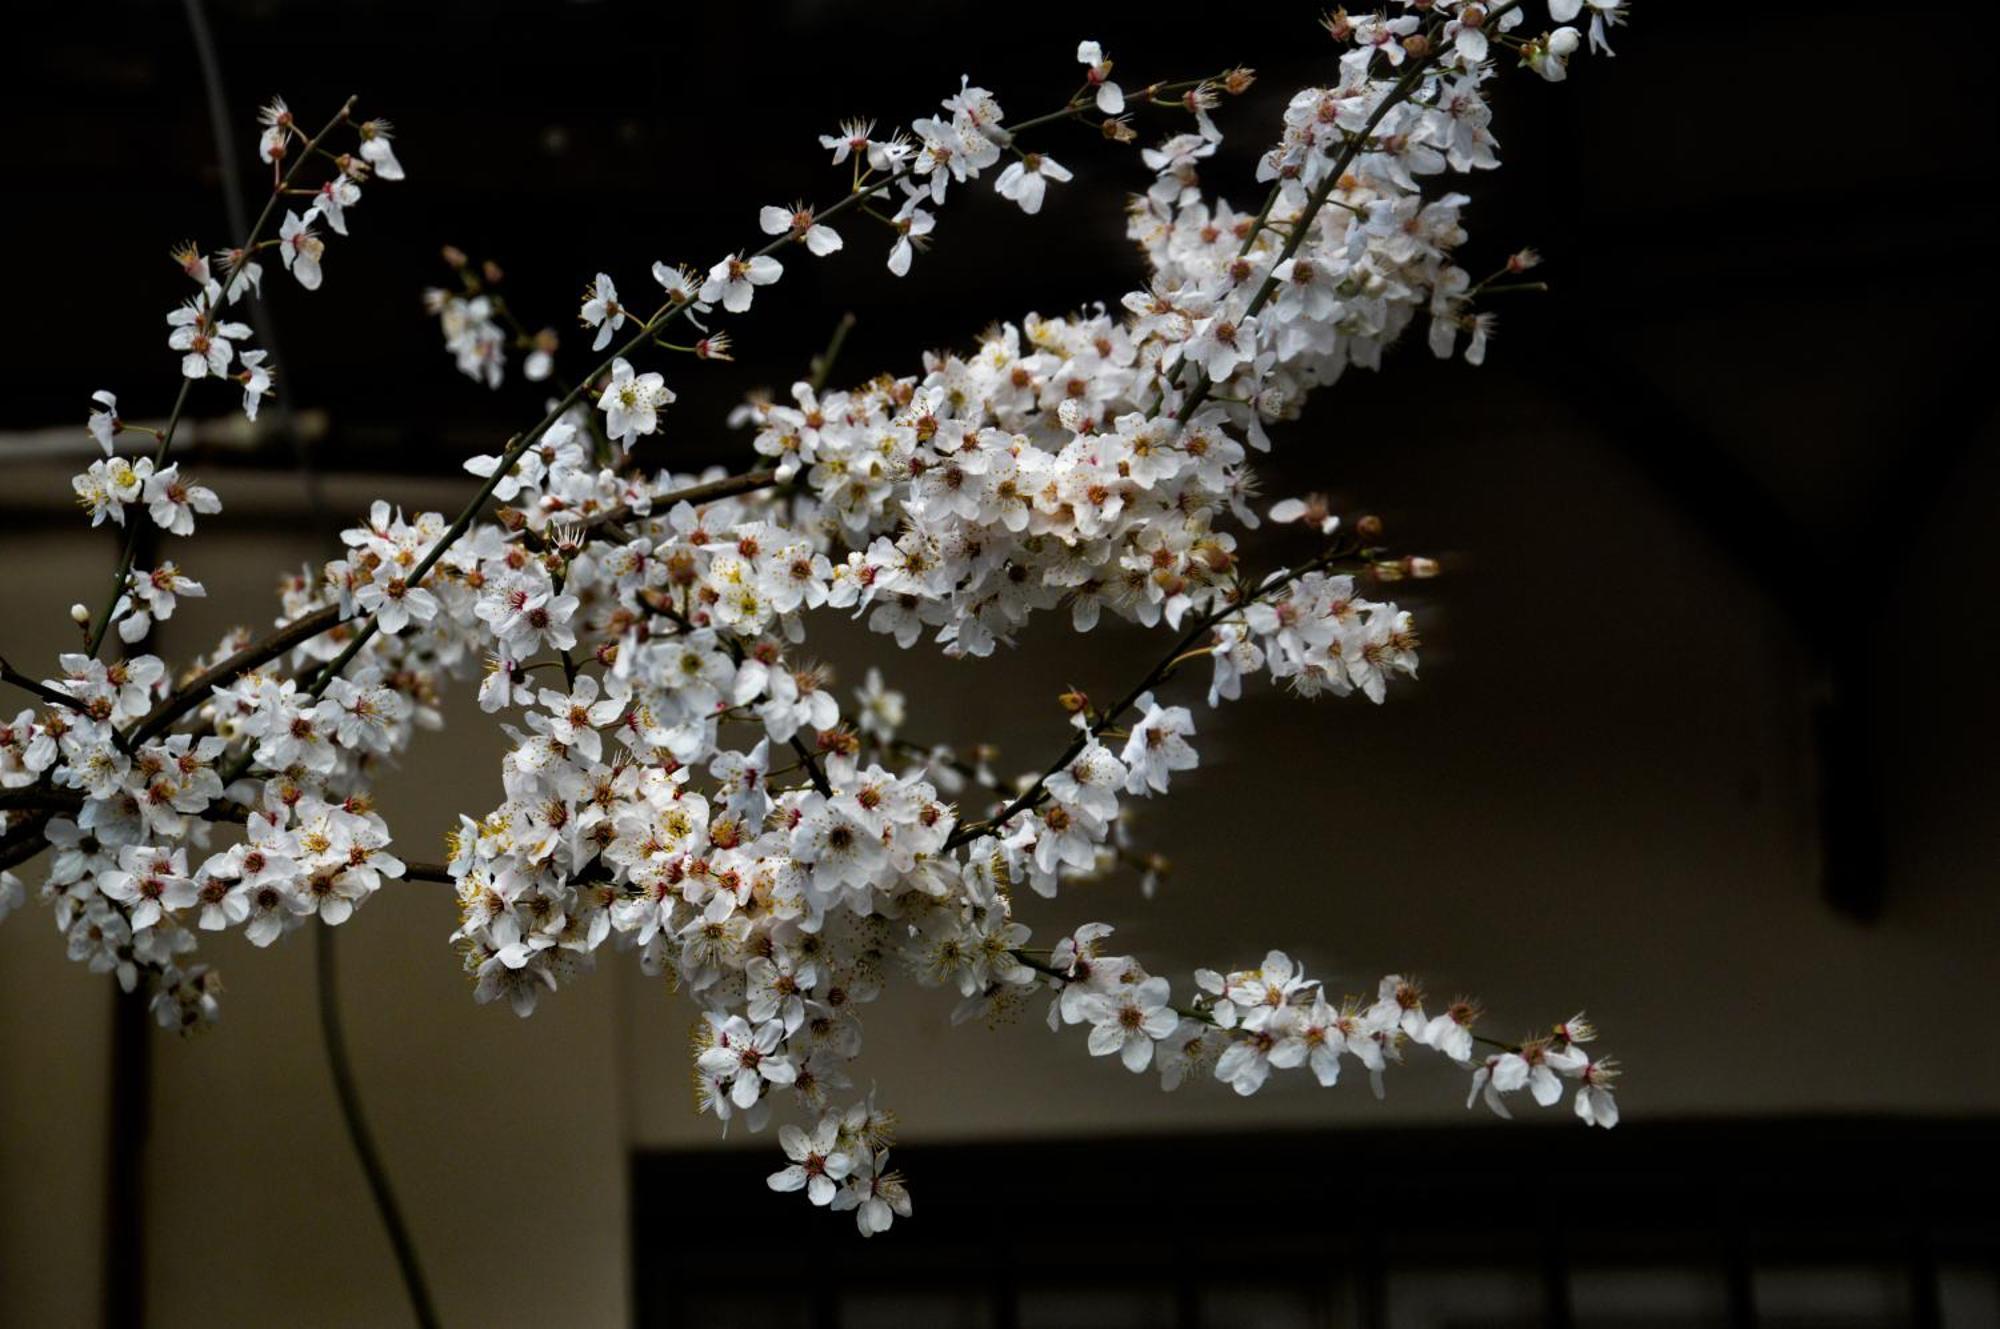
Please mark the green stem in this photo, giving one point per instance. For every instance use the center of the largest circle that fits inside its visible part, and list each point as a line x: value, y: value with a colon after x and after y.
x: 822, y: 364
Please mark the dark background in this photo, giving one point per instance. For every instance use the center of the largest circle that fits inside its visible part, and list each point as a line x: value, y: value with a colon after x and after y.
x: 1774, y: 231
x: 1769, y: 239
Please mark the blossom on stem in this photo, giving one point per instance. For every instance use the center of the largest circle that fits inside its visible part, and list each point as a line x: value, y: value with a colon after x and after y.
x: 1158, y: 746
x: 1025, y: 180
x: 204, y: 340
x: 734, y: 280
x: 797, y: 221
x: 631, y: 402
x: 1129, y: 1021
x: 300, y: 247
x: 378, y: 149
x: 1109, y: 97
x: 818, y: 1163
x: 173, y: 502
x: 602, y: 311
x: 104, y: 423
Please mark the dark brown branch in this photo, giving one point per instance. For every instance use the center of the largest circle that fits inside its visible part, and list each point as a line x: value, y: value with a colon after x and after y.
x: 810, y: 761
x: 40, y: 797
x: 1154, y: 677
x: 308, y: 626
x: 198, y: 690
x: 9, y: 674
x: 23, y: 842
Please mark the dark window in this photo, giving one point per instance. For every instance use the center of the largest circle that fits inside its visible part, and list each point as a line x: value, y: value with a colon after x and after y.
x: 1841, y: 1224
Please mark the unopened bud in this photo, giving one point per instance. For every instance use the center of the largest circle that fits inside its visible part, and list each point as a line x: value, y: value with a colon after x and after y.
x: 1368, y: 527
x: 1420, y: 567
x: 1074, y: 701
x: 493, y: 273
x: 454, y: 256
x: 79, y: 614
x: 1417, y: 45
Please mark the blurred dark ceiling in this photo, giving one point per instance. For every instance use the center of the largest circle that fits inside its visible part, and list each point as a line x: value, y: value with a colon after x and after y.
x: 1768, y: 229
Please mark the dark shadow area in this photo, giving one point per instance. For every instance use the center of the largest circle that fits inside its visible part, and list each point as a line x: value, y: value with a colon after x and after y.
x: 1814, y: 1221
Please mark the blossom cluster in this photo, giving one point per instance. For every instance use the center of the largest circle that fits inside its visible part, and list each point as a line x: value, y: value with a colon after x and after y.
x: 210, y: 344
x: 681, y: 781
x: 479, y: 328
x: 1247, y: 1023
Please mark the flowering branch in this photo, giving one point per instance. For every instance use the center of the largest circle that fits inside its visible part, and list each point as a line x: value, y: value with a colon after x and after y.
x: 198, y: 342
x: 199, y: 689
x: 1090, y: 729
x: 644, y: 630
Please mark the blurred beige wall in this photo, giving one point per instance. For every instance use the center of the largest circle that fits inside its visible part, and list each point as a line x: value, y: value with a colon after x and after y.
x: 1600, y: 794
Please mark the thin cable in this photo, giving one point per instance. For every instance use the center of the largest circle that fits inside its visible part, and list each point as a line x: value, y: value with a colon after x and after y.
x: 330, y: 1029
x: 260, y: 316
x: 357, y: 1133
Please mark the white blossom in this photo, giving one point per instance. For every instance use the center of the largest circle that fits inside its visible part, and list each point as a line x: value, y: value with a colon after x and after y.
x: 301, y: 249
x: 631, y: 402
x: 732, y: 282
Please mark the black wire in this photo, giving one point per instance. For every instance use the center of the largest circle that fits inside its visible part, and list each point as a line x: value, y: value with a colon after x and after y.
x: 329, y: 993
x: 260, y: 314
x: 357, y: 1133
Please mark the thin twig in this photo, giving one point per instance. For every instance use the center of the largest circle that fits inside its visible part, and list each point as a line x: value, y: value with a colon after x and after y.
x: 822, y: 364
x: 1154, y: 677
x: 1405, y: 87
x: 103, y: 622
